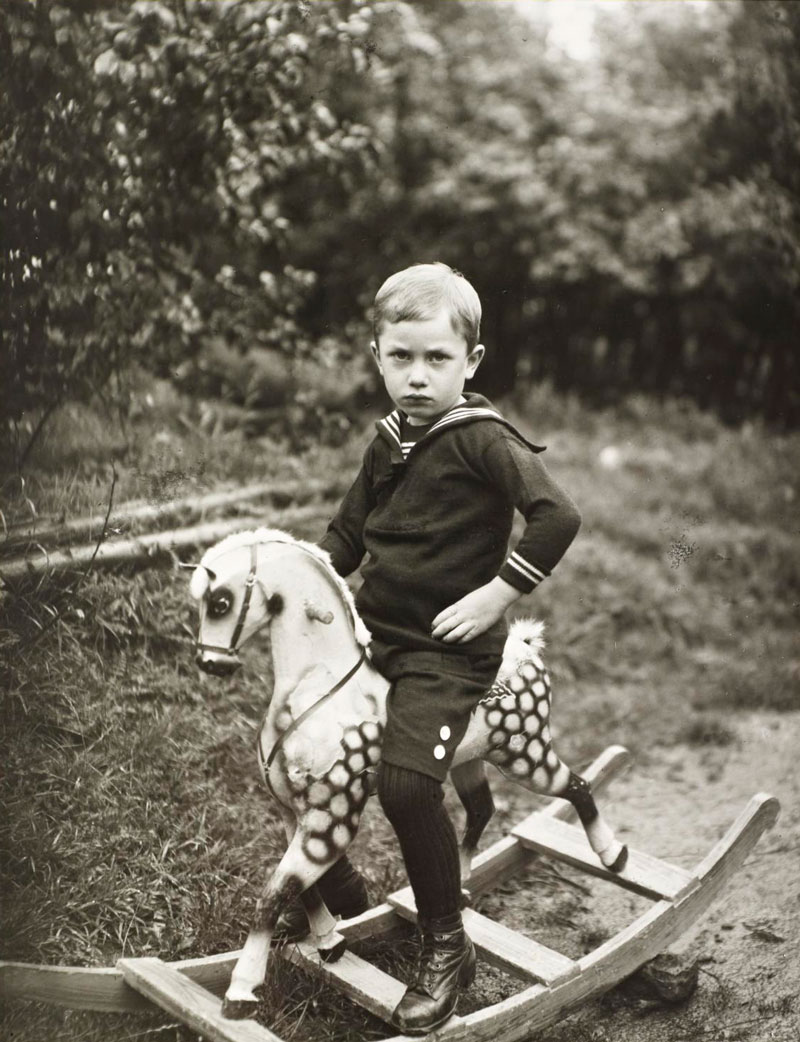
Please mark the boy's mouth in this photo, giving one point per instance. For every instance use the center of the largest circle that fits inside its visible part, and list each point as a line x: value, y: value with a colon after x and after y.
x: 416, y: 398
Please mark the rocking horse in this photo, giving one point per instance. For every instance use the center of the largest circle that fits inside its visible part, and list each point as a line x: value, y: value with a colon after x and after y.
x: 321, y: 737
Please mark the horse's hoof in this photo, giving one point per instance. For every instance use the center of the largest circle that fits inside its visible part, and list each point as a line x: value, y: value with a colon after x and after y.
x: 621, y: 860
x: 333, y: 950
x: 239, y: 1009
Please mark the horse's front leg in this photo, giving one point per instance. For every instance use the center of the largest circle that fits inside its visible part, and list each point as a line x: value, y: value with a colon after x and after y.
x: 295, y: 873
x: 329, y: 943
x: 324, y: 936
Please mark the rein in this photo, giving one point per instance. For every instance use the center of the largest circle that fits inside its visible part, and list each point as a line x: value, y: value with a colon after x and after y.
x: 266, y: 766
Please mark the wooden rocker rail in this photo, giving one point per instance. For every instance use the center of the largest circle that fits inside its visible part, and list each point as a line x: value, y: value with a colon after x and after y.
x: 557, y: 985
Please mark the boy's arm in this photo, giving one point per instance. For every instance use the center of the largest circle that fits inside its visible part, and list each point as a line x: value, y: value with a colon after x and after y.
x: 344, y: 538
x: 552, y: 520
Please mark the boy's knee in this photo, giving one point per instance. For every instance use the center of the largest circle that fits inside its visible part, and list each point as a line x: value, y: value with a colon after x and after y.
x: 389, y: 790
x: 401, y: 790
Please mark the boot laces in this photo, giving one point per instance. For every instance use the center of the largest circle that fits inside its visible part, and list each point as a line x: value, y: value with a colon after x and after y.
x: 431, y: 959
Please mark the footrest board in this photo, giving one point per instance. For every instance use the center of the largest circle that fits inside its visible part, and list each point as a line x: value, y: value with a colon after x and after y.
x: 516, y: 954
x: 359, y: 980
x: 642, y: 874
x: 501, y: 947
x: 189, y: 1002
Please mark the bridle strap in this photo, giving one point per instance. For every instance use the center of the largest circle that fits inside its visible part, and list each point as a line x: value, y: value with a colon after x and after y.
x: 266, y: 766
x: 249, y: 583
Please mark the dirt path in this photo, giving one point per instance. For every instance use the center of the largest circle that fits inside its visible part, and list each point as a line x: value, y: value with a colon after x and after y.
x: 676, y: 804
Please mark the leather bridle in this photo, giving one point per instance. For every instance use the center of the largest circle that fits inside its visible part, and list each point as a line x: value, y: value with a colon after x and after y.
x: 231, y: 650
x: 250, y: 582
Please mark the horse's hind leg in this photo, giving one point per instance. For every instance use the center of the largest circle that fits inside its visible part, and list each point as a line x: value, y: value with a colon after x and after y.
x: 469, y: 780
x: 550, y: 776
x: 518, y: 732
x: 604, y: 843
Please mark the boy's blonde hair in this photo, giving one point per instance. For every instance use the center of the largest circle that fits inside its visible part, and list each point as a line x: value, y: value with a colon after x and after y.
x: 417, y: 293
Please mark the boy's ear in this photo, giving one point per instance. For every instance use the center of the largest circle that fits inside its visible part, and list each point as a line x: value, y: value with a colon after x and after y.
x: 376, y: 355
x: 474, y: 359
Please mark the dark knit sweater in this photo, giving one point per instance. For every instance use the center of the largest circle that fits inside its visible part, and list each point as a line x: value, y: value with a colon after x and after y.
x: 436, y: 525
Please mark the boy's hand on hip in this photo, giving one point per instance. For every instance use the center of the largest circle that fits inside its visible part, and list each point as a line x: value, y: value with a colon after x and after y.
x: 474, y: 614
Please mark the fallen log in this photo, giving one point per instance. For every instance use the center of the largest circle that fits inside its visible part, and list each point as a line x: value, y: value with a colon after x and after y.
x: 143, y: 512
x: 157, y: 548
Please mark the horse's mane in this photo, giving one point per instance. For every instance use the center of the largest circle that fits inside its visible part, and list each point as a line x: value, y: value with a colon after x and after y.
x: 199, y: 583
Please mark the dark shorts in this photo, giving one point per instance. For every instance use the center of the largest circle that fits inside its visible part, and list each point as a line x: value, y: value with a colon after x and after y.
x: 430, y: 702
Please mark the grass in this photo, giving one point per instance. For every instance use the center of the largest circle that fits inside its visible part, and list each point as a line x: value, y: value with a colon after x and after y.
x: 135, y: 820
x: 171, y: 446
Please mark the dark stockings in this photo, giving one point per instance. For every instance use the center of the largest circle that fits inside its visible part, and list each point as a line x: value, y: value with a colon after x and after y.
x: 413, y: 803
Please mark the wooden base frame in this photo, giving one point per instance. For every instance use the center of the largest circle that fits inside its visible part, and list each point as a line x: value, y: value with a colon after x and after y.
x: 190, y: 989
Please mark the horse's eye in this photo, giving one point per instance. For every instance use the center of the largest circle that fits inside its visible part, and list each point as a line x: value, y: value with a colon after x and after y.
x: 219, y: 603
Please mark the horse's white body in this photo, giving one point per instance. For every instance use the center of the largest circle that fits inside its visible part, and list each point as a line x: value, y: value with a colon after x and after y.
x: 321, y: 764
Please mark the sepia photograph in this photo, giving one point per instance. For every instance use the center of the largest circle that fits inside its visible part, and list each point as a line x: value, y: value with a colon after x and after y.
x: 399, y: 541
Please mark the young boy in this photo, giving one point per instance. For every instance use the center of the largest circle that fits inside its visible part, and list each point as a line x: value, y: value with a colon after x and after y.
x: 432, y: 507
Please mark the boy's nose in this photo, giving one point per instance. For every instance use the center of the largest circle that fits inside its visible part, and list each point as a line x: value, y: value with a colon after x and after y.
x: 418, y: 377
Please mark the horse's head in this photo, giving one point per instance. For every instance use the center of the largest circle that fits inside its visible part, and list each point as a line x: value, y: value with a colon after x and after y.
x: 235, y: 602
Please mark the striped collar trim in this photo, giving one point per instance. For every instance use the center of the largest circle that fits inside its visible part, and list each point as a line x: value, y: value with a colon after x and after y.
x: 391, y: 424
x: 458, y: 414
x: 462, y: 412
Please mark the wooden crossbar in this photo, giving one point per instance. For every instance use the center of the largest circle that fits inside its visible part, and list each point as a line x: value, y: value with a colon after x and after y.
x: 189, y: 1002
x: 511, y: 951
x: 501, y: 861
x: 359, y: 980
x: 500, y: 946
x: 643, y: 874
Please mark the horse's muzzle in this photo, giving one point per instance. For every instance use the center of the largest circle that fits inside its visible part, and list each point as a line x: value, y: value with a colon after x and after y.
x: 218, y: 665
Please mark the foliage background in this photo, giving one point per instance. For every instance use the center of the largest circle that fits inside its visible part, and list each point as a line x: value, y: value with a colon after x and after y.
x: 213, y: 191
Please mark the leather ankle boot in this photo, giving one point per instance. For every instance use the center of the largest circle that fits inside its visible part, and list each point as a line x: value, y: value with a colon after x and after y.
x: 346, y: 901
x: 446, y: 965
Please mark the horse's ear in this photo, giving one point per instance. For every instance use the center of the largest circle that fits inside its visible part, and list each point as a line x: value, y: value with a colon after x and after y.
x: 313, y: 612
x: 200, y: 582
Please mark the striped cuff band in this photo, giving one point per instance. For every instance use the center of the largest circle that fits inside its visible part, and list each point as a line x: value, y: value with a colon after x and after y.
x: 527, y: 570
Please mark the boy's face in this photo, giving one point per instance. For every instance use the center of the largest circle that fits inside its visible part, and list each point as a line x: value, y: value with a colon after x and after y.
x: 424, y: 365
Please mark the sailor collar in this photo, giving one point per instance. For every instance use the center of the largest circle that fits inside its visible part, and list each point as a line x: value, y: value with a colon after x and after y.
x: 476, y: 407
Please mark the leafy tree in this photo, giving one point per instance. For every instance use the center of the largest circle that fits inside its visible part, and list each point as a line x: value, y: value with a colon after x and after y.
x: 461, y: 98
x: 147, y: 149
x: 178, y: 177
x: 58, y: 188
